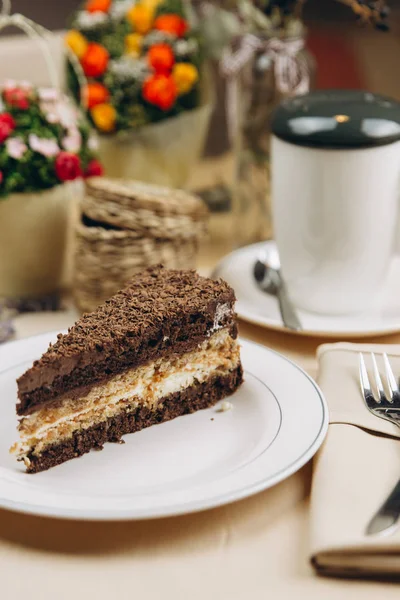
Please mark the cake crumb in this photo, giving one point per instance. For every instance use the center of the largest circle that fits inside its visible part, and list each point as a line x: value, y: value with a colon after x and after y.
x: 224, y: 406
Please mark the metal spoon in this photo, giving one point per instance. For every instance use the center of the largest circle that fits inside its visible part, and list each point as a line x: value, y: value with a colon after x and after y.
x: 269, y: 279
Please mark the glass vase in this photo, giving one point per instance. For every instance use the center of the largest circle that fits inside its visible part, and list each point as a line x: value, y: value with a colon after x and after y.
x: 257, y: 92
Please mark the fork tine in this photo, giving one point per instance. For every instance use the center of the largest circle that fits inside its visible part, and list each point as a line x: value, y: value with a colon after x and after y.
x: 389, y: 410
x: 394, y: 391
x: 365, y: 385
x: 378, y: 380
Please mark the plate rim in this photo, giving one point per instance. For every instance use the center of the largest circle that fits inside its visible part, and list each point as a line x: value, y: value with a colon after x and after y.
x: 276, y: 325
x: 192, y: 506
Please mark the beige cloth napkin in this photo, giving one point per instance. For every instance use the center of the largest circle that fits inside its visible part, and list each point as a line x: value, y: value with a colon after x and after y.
x: 355, y: 470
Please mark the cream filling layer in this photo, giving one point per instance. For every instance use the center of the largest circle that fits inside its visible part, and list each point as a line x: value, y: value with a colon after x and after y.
x: 142, y: 386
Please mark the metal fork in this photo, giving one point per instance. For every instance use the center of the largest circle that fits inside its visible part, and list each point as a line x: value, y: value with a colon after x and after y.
x: 381, y: 406
x: 388, y: 408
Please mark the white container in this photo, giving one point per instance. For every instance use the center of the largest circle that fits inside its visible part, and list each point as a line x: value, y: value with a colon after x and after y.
x: 335, y: 198
x: 33, y: 239
x: 35, y: 227
x: 162, y: 153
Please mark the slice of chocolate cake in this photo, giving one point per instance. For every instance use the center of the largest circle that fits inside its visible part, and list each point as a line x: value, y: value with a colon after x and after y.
x: 165, y: 346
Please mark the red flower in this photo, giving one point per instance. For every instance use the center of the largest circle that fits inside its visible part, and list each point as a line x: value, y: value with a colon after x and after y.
x: 171, y: 24
x: 95, y: 60
x: 94, y: 169
x: 161, y: 58
x: 1, y: 177
x: 67, y: 166
x: 98, y: 6
x: 7, y: 126
x: 95, y: 93
x: 17, y: 97
x: 160, y: 90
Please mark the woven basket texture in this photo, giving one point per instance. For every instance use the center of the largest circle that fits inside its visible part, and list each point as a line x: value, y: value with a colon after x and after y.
x: 126, y: 227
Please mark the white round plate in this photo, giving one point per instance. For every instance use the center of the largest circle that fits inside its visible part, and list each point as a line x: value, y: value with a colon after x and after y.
x: 277, y: 423
x: 257, y: 307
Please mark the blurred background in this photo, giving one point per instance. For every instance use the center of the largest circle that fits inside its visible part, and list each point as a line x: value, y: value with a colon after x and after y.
x: 212, y: 139
x: 350, y: 57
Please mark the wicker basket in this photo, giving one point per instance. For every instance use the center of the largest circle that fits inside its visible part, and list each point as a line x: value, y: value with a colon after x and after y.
x: 127, y: 226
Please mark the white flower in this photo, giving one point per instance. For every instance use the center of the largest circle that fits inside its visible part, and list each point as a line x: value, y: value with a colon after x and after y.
x: 52, y: 117
x: 126, y: 68
x: 16, y: 147
x: 48, y: 100
x: 159, y: 37
x: 87, y: 20
x: 67, y: 114
x: 45, y: 146
x: 73, y: 141
x: 119, y: 9
x: 58, y: 110
x: 185, y: 47
x: 93, y: 143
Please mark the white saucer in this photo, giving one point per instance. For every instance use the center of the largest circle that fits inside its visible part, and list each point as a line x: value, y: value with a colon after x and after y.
x: 258, y: 307
x: 195, y: 462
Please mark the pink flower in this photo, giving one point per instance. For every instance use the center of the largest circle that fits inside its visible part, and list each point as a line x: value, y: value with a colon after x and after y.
x: 16, y: 147
x: 48, y: 100
x: 10, y: 84
x: 72, y: 142
x: 47, y: 147
x: 17, y: 97
x: 48, y: 94
x: 67, y: 115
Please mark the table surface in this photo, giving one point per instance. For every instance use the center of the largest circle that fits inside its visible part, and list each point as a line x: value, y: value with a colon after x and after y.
x: 248, y: 549
x: 254, y: 548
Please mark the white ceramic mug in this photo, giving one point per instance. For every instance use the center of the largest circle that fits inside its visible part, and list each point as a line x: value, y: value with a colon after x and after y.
x: 335, y: 220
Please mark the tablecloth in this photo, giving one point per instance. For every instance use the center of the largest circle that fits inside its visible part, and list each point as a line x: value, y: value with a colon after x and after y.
x: 255, y: 548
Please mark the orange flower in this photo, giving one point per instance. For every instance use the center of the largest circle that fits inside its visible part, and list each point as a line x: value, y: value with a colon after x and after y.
x: 171, y: 24
x: 141, y: 18
x: 160, y: 90
x: 95, y: 93
x: 95, y: 60
x: 185, y: 76
x: 98, y: 6
x: 76, y: 42
x: 104, y: 117
x: 161, y: 58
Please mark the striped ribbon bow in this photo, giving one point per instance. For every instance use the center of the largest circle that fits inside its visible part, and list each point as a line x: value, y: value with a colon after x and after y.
x: 291, y: 71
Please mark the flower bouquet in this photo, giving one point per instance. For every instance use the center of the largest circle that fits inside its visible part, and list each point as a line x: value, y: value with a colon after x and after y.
x: 44, y: 152
x: 144, y: 89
